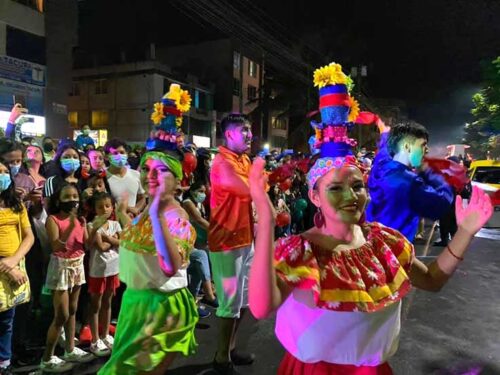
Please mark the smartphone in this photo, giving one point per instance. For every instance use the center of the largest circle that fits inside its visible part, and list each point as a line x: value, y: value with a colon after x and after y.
x: 21, y: 99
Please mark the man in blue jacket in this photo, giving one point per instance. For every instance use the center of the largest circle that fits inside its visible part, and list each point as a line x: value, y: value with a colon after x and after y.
x: 400, y: 196
x: 84, y: 140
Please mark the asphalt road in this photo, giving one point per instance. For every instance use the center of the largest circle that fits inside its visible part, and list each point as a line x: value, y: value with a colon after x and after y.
x: 456, y: 331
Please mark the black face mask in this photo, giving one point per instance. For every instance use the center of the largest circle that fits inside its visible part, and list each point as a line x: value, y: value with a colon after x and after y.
x: 48, y: 147
x: 68, y: 206
x: 133, y: 162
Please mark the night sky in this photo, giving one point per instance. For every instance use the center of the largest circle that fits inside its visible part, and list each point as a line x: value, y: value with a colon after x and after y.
x: 426, y: 52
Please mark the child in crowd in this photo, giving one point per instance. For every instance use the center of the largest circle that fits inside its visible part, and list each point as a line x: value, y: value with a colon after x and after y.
x: 16, y: 240
x: 85, y: 163
x: 96, y: 158
x: 67, y: 234
x: 103, y: 272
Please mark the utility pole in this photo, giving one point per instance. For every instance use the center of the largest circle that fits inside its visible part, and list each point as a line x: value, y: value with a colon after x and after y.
x: 358, y: 73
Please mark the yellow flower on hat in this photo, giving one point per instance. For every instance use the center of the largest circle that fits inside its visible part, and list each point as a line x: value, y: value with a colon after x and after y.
x: 354, y: 111
x: 184, y: 102
x: 181, y: 97
x: 157, y: 115
x: 329, y: 75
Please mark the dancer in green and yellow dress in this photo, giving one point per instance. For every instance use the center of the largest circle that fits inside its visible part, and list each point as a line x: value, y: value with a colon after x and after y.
x: 158, y: 313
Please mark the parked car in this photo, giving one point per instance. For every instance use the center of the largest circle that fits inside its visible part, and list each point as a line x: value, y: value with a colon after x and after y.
x: 486, y: 175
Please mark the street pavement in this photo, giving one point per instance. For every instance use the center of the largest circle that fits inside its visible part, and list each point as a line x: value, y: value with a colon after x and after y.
x: 455, y: 331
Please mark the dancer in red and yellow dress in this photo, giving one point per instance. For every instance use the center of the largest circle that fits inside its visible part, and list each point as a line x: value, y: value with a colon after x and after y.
x: 338, y: 287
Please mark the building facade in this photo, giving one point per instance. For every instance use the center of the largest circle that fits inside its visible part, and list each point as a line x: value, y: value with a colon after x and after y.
x: 119, y: 100
x: 237, y: 73
x: 23, y: 62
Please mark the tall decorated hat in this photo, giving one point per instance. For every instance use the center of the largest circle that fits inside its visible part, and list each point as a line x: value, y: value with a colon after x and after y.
x: 338, y: 111
x: 167, y: 117
x: 167, y: 135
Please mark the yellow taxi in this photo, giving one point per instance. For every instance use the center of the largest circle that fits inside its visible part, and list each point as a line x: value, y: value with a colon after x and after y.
x: 485, y: 172
x: 486, y: 175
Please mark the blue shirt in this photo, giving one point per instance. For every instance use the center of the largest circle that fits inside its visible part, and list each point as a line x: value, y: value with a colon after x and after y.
x: 83, y: 140
x: 400, y: 197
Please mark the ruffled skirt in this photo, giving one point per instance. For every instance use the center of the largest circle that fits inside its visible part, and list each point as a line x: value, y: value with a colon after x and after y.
x: 151, y: 325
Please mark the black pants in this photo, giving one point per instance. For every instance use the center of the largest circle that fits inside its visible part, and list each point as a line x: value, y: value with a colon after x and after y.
x: 448, y: 224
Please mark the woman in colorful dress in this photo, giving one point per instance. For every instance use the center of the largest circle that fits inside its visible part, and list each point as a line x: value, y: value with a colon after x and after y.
x: 338, y: 287
x: 158, y: 313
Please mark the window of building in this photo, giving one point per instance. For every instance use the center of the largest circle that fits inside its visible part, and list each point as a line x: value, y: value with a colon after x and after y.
x: 236, y: 87
x: 278, y: 123
x: 101, y: 86
x: 252, y: 92
x: 202, y: 100
x: 73, y: 119
x: 100, y: 119
x: 252, y: 68
x: 25, y: 46
x: 196, y: 100
x: 236, y: 60
x: 33, y: 4
x: 75, y: 89
x: 210, y: 102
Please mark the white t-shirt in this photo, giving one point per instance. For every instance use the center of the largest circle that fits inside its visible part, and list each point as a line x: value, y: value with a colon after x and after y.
x: 130, y: 183
x: 105, y: 263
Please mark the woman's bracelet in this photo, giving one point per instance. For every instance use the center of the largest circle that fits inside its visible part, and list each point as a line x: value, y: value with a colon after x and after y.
x: 453, y: 254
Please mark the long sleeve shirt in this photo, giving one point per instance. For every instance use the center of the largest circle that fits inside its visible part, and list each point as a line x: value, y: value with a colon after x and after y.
x: 399, y: 196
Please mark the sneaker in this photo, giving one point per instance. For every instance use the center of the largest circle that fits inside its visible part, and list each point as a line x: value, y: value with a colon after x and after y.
x: 61, y: 341
x: 241, y: 358
x: 206, y: 301
x: 111, y: 329
x: 55, y: 365
x: 420, y: 236
x: 85, y: 336
x: 78, y: 355
x: 203, y: 313
x: 109, y: 341
x: 99, y: 349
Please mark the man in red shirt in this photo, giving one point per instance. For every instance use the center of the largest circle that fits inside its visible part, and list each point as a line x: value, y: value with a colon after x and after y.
x: 230, y: 237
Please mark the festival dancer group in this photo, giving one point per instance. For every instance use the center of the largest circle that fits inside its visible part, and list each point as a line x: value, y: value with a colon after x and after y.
x: 337, y: 288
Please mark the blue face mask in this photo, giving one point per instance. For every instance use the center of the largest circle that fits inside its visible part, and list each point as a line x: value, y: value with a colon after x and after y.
x: 70, y: 165
x: 15, y: 169
x: 200, y: 197
x: 119, y: 160
x: 5, y: 182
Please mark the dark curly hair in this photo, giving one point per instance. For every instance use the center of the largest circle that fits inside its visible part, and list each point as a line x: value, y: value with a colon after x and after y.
x: 8, y: 196
x: 404, y: 130
x: 233, y: 119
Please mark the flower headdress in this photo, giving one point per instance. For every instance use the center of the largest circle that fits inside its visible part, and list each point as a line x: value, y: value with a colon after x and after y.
x: 339, y: 111
x: 167, y: 116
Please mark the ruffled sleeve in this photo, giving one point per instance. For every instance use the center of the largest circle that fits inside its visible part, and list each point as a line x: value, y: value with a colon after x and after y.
x: 184, y: 235
x: 296, y: 264
x: 397, y: 242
